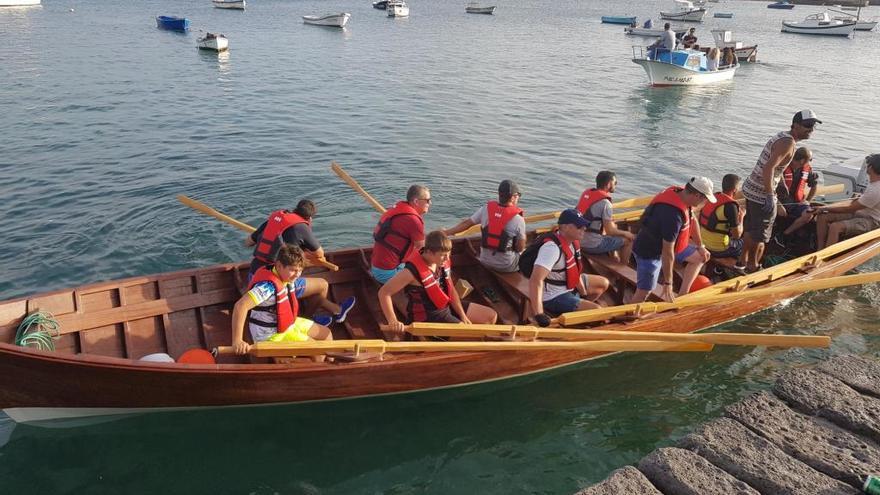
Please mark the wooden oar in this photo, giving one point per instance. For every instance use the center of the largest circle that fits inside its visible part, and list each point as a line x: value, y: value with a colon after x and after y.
x: 601, y: 314
x: 207, y: 210
x: 526, y: 331
x: 357, y: 187
x: 314, y: 348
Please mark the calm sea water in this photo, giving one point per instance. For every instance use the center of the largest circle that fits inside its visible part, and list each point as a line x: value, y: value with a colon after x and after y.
x: 105, y: 119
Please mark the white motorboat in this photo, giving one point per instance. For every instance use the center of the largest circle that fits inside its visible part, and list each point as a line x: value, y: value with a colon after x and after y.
x: 654, y: 33
x: 684, y: 11
x: 334, y: 20
x: 229, y: 4
x: 18, y: 3
x: 820, y: 23
x: 724, y: 39
x: 474, y: 8
x: 397, y: 8
x: 680, y: 68
x: 215, y: 42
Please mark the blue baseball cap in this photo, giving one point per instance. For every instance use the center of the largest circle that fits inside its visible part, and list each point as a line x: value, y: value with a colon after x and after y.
x: 573, y: 217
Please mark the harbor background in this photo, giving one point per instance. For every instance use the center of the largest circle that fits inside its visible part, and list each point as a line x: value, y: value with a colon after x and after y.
x: 106, y: 119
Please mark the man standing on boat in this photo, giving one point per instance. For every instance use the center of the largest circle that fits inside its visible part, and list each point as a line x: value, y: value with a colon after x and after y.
x: 400, y: 232
x: 270, y: 307
x: 602, y: 234
x: 503, y: 229
x: 556, y: 283
x: 295, y: 228
x: 759, y: 188
x: 721, y: 222
x: 668, y: 227
x: 860, y: 216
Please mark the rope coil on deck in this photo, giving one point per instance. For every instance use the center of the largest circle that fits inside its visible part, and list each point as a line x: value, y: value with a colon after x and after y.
x: 38, y: 330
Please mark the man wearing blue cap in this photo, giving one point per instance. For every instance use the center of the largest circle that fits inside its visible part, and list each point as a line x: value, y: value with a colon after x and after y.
x: 556, y: 283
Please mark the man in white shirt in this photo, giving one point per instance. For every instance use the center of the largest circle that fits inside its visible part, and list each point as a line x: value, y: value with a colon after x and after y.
x: 860, y: 216
x: 665, y: 44
x: 556, y: 283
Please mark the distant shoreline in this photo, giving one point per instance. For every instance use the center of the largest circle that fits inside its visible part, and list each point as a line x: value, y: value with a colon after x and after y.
x: 842, y: 3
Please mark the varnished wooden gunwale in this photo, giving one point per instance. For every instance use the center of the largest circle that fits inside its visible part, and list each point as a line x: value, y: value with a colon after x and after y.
x: 66, y: 380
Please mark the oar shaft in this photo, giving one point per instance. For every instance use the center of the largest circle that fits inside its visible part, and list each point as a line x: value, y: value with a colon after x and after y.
x: 357, y: 187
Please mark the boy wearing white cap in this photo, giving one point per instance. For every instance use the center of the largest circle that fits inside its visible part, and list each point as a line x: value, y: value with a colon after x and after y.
x: 759, y: 188
x: 668, y: 227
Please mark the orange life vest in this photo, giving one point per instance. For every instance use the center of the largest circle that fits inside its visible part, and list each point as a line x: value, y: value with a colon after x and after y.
x: 384, y: 232
x: 435, y: 290
x: 670, y: 197
x: 707, y: 215
x: 493, y: 236
x: 286, y: 305
x: 796, y: 183
x: 270, y: 239
x: 588, y: 198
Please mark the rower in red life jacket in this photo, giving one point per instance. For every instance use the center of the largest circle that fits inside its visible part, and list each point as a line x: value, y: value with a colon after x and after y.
x: 399, y: 233
x: 295, y: 228
x: 427, y: 281
x: 721, y: 223
x: 556, y: 284
x: 792, y: 192
x: 602, y: 235
x: 503, y: 229
x: 668, y: 234
x: 271, y: 309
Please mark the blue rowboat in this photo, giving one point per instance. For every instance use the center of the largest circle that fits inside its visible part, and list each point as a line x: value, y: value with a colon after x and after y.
x: 614, y: 19
x: 172, y: 23
x: 723, y: 15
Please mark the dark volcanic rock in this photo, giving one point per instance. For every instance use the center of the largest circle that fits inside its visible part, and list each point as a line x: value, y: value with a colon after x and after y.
x: 753, y: 459
x: 823, y: 395
x: 858, y: 372
x: 818, y: 443
x: 683, y: 472
x: 626, y: 480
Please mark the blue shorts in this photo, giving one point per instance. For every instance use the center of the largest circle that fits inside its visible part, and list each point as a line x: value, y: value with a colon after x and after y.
x: 647, y: 271
x: 795, y: 211
x: 383, y: 276
x: 606, y: 245
x: 563, y: 303
x: 689, y: 250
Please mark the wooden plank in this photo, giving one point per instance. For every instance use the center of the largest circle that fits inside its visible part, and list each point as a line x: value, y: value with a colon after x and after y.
x: 174, y: 287
x: 90, y: 302
x: 67, y: 344
x: 183, y: 332
x: 145, y: 336
x: 139, y: 293
x: 212, y: 281
x: 359, y: 324
x: 103, y: 341
x: 57, y: 303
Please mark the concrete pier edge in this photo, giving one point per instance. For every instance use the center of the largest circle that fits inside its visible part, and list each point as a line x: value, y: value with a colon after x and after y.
x: 816, y: 431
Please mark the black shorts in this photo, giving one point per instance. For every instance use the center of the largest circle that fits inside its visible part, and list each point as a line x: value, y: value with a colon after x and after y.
x: 759, y: 223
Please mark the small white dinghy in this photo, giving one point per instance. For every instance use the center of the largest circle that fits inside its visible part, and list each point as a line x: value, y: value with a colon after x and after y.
x: 229, y: 4
x: 680, y: 68
x: 684, y: 11
x: 474, y: 8
x: 334, y: 20
x: 820, y: 23
x: 397, y: 8
x: 215, y: 42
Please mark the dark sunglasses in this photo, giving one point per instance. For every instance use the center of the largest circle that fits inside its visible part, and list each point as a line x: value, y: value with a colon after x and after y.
x: 808, y: 125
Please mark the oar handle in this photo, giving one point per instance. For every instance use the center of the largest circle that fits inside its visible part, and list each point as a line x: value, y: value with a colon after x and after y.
x: 357, y: 187
x: 222, y: 349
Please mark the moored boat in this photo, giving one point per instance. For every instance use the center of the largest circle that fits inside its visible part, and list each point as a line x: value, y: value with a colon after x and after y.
x: 782, y: 5
x: 397, y: 8
x: 680, y: 68
x: 380, y: 4
x: 641, y: 31
x: 106, y: 328
x: 18, y: 3
x: 684, y: 11
x: 724, y: 39
x: 861, y: 24
x: 614, y: 19
x: 230, y: 4
x: 215, y: 42
x: 820, y: 24
x: 333, y: 20
x: 723, y: 15
x: 475, y: 8
x: 172, y: 23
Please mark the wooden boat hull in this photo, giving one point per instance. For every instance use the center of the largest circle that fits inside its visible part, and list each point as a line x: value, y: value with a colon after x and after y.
x: 90, y: 373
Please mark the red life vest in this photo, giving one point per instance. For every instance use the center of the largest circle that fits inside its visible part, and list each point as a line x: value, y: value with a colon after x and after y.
x: 670, y: 197
x: 796, y: 183
x: 270, y: 239
x: 435, y: 290
x: 393, y: 240
x: 286, y: 305
x: 494, y: 236
x: 588, y: 198
x: 707, y: 215
x: 572, y: 261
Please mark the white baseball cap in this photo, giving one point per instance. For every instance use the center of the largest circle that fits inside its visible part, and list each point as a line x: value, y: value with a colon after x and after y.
x: 704, y: 186
x: 805, y: 116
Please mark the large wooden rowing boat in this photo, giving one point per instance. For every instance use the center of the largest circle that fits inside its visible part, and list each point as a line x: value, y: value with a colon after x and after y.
x: 106, y: 327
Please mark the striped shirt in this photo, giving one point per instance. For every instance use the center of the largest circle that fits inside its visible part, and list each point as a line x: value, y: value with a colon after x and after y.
x: 753, y: 187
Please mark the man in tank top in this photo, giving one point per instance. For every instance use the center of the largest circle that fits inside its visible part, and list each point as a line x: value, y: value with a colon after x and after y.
x: 759, y: 188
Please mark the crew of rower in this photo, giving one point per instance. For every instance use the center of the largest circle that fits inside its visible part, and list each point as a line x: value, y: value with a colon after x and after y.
x: 687, y: 225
